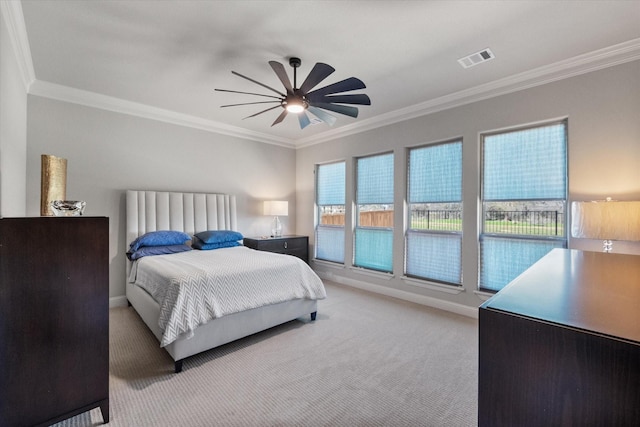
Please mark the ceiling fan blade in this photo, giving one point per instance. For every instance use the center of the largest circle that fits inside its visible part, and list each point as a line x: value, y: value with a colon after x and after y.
x: 318, y: 73
x: 304, y: 120
x: 260, y: 112
x: 322, y: 115
x: 246, y: 93
x: 360, y: 99
x: 280, y: 117
x: 345, y: 85
x: 248, y: 103
x: 278, y: 68
x: 342, y: 109
x: 258, y: 83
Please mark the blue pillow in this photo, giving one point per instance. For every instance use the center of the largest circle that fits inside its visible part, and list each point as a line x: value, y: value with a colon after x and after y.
x: 159, y: 238
x: 218, y: 236
x: 157, y: 250
x: 199, y: 244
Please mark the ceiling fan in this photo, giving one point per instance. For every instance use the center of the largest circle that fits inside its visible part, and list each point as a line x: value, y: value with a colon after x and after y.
x: 302, y: 100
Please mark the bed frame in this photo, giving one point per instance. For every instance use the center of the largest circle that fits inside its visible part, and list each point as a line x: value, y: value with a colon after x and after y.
x: 192, y: 213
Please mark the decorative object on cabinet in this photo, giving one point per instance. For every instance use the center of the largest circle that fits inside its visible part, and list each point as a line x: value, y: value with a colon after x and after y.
x: 560, y: 344
x: 53, y: 182
x: 607, y: 220
x: 276, y: 208
x: 289, y: 245
x: 68, y: 207
x: 54, y: 319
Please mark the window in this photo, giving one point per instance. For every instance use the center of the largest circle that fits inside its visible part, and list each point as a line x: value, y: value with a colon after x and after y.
x: 330, y: 188
x: 433, y: 245
x: 373, y: 247
x: 524, y: 192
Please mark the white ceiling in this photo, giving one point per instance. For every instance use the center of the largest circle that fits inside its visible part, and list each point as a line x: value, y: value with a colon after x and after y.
x: 166, y: 57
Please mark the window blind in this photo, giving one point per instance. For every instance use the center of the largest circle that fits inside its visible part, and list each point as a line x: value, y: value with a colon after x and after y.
x: 375, y: 180
x: 330, y: 243
x: 331, y: 184
x: 374, y: 249
x: 504, y: 259
x: 435, y: 173
x: 434, y: 256
x: 525, y: 164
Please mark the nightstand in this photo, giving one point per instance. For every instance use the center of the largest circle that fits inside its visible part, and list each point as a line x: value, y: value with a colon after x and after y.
x: 290, y: 245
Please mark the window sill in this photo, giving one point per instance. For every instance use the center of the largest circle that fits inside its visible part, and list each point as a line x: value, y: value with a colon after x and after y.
x: 329, y: 264
x: 450, y: 289
x: 483, y: 295
x: 372, y: 273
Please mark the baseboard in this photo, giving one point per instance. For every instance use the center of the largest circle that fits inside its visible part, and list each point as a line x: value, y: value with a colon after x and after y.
x: 120, y: 301
x: 453, y: 307
x: 464, y: 310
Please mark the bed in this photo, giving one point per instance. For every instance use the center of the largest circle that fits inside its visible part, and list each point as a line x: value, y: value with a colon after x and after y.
x: 151, y: 211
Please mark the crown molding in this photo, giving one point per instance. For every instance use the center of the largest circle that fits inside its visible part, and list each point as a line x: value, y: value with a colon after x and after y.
x: 14, y: 20
x: 608, y: 57
x: 119, y: 105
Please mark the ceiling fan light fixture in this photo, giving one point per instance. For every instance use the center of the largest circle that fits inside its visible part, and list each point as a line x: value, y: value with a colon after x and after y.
x: 295, y: 105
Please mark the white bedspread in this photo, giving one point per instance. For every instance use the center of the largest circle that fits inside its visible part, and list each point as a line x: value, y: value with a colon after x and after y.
x: 197, y: 286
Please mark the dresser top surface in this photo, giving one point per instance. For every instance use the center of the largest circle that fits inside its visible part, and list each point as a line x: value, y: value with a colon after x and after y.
x: 593, y: 291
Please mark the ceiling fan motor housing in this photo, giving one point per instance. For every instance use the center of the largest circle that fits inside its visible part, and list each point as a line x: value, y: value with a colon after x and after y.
x: 295, y: 62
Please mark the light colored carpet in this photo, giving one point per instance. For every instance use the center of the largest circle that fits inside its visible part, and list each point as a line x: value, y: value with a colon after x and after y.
x: 367, y: 360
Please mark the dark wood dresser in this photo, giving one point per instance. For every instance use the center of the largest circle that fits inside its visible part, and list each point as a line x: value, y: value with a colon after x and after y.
x: 290, y: 245
x: 54, y: 319
x: 560, y: 345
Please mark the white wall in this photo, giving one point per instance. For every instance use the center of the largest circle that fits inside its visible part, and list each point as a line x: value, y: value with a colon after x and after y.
x: 108, y: 153
x: 603, y: 109
x: 13, y: 129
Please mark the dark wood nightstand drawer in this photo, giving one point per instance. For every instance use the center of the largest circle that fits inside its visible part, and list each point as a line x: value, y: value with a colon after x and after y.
x: 289, y: 245
x: 283, y: 245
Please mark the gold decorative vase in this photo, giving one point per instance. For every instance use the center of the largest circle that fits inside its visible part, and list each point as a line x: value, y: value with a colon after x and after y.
x: 53, y: 182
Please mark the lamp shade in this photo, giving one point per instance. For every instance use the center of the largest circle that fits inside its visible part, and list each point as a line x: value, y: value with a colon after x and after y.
x: 276, y: 208
x: 607, y: 220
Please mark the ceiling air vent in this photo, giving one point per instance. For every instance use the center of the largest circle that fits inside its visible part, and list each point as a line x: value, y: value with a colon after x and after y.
x: 476, y: 58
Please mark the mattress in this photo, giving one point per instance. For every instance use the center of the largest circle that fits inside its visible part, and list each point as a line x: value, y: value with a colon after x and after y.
x: 195, y: 287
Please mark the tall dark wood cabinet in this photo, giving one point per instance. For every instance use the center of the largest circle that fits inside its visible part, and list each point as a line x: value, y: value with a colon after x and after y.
x: 54, y: 319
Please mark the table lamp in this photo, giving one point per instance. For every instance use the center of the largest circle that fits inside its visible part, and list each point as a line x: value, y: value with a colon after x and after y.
x: 276, y: 208
x: 607, y: 220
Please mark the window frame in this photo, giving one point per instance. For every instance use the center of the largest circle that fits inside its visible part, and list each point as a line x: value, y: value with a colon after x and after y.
x: 356, y: 212
x: 318, y: 214
x: 436, y: 233
x: 482, y: 235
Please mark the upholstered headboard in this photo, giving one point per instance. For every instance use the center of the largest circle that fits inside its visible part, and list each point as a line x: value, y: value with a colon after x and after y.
x: 188, y: 212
